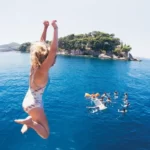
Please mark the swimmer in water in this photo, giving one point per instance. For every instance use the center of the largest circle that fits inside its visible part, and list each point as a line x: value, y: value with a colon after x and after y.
x: 126, y: 105
x: 92, y: 96
x: 123, y: 110
x: 115, y: 93
x: 108, y: 100
x: 126, y: 96
x: 97, y: 94
x: 125, y: 100
x: 104, y: 95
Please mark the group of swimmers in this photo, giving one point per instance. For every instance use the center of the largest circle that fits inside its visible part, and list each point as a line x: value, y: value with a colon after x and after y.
x: 102, y: 101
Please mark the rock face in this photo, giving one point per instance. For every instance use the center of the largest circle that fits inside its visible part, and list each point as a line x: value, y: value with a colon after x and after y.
x: 103, y: 56
x: 63, y: 53
x: 124, y: 56
x: 130, y: 58
x: 76, y: 52
x: 114, y: 57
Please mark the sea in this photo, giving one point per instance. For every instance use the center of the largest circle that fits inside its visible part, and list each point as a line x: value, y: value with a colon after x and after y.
x: 73, y: 126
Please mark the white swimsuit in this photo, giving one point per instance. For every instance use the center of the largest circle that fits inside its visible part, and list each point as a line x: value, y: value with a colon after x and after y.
x: 33, y: 98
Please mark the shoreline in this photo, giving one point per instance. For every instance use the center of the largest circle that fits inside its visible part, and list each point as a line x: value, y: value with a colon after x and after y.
x: 101, y: 58
x: 104, y: 57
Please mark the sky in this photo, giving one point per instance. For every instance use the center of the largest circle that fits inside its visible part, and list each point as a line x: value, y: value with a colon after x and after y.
x: 22, y: 20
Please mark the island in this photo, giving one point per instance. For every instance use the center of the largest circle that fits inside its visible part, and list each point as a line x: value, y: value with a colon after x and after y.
x: 93, y: 44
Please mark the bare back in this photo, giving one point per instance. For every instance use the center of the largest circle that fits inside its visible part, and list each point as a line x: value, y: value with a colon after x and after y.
x: 38, y: 79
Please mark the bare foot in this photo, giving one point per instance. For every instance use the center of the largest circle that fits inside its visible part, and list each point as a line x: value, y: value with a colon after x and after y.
x: 26, y: 121
x: 24, y: 128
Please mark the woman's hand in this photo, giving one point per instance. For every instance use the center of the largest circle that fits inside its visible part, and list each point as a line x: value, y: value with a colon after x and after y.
x: 43, y: 36
x: 53, y: 23
x: 46, y: 24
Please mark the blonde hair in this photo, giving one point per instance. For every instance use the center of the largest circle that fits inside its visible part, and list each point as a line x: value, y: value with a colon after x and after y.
x: 38, y: 53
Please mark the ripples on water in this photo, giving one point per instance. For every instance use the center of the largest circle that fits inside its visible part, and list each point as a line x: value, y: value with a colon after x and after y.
x: 73, y: 127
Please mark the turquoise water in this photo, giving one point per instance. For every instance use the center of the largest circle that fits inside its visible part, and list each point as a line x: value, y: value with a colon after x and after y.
x: 73, y: 127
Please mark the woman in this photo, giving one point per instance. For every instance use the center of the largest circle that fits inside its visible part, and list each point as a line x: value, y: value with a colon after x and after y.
x: 42, y: 59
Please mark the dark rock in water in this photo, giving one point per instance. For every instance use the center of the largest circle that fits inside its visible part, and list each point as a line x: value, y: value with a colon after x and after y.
x: 131, y: 58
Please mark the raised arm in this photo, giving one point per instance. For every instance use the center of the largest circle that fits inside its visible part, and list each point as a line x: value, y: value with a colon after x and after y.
x: 54, y: 43
x: 49, y: 61
x: 43, y: 36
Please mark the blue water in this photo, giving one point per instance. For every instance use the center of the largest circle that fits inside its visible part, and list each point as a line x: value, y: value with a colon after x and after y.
x: 72, y: 126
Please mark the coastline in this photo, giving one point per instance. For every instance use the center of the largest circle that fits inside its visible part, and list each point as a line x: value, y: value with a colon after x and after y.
x: 102, y: 57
